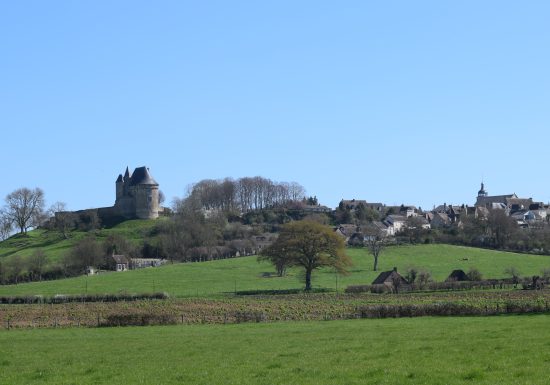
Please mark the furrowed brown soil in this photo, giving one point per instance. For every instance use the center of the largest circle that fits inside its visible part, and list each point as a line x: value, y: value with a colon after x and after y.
x: 272, y: 308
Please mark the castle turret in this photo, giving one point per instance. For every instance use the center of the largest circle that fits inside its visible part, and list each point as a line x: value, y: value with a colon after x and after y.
x: 137, y: 194
x: 119, y: 187
x: 146, y: 192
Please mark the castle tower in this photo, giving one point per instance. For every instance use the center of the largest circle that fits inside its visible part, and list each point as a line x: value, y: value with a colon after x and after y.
x: 146, y: 193
x: 137, y: 195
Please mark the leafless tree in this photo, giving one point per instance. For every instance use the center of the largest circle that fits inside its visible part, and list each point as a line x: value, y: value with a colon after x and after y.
x: 244, y: 194
x: 296, y: 191
x: 2, y: 273
x: 424, y: 277
x: 513, y: 272
x: 25, y: 208
x: 61, y: 219
x: 162, y: 197
x: 375, y: 241
x: 36, y: 264
x: 15, y: 267
x: 5, y: 226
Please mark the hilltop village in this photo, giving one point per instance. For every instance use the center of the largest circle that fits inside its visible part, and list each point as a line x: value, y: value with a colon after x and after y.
x: 241, y: 201
x: 525, y: 212
x: 229, y: 218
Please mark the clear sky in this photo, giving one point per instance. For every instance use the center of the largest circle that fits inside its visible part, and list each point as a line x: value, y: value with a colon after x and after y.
x: 408, y: 102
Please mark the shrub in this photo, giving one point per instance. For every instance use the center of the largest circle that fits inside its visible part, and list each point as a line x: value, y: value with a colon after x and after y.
x: 139, y: 320
x: 64, y: 298
x: 474, y: 274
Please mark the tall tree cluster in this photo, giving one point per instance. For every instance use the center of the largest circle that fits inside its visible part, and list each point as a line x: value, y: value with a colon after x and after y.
x: 245, y: 194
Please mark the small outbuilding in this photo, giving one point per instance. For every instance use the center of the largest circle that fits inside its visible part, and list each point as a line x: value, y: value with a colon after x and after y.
x: 121, y: 262
x: 458, y: 276
x: 390, y: 278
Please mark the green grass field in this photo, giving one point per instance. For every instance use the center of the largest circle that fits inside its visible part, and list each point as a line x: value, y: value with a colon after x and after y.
x: 485, y: 350
x: 224, y: 276
x: 56, y: 247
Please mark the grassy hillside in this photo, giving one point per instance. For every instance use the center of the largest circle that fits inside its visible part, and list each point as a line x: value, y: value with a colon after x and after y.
x: 482, y: 350
x: 225, y: 276
x: 56, y: 246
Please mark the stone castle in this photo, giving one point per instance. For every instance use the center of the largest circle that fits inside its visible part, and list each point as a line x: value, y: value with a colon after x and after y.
x: 137, y: 195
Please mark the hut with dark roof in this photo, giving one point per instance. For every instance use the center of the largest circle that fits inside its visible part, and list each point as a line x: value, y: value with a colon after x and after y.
x: 390, y: 279
x: 457, y: 276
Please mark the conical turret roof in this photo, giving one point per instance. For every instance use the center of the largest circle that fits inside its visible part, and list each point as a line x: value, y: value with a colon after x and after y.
x: 141, y: 175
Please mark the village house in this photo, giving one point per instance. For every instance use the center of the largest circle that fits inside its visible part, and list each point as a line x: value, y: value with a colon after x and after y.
x: 440, y: 220
x: 352, y: 204
x: 395, y: 223
x: 121, y: 262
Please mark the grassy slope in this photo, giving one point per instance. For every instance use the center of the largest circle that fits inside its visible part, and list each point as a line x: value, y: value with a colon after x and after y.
x: 484, y: 350
x: 55, y: 246
x: 217, y: 277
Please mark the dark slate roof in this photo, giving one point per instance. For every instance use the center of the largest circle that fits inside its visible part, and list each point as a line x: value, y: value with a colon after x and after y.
x: 458, y: 275
x: 120, y: 258
x: 387, y: 276
x: 348, y: 229
x: 520, y: 202
x: 119, y: 179
x: 536, y: 206
x: 353, y: 203
x: 488, y: 201
x: 141, y: 176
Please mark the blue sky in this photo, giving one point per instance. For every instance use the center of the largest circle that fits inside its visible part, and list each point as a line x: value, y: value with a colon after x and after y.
x: 395, y: 101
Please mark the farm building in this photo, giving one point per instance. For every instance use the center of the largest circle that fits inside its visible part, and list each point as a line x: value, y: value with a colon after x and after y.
x: 457, y: 276
x: 389, y: 278
x: 122, y: 263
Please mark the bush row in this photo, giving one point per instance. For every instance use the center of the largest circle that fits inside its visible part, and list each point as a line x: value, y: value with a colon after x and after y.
x: 62, y: 298
x: 450, y: 309
x: 138, y: 320
x: 435, y: 286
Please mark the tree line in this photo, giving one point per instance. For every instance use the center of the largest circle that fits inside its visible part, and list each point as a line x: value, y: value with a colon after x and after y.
x: 244, y: 194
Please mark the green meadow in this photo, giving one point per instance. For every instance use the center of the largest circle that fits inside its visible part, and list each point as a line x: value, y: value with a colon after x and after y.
x: 55, y: 246
x: 217, y: 278
x: 455, y: 350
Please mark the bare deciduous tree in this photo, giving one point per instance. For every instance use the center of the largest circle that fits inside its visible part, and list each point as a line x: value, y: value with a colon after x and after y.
x: 25, y: 208
x: 36, y: 264
x: 15, y: 267
x: 375, y: 241
x: 5, y: 226
x: 245, y: 194
x: 162, y: 198
x: 61, y: 218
